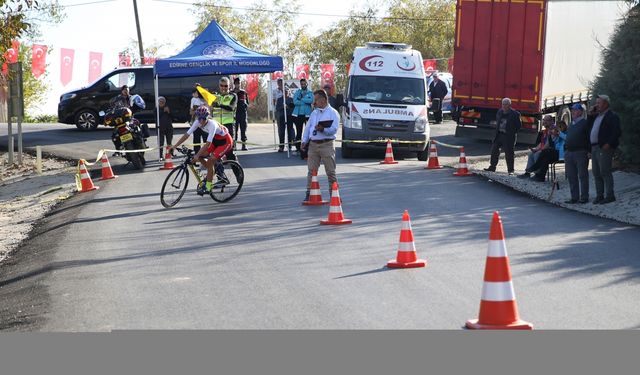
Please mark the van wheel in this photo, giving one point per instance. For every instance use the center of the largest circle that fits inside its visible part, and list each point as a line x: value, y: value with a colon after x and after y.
x: 424, y: 155
x: 87, y: 120
x: 347, y: 153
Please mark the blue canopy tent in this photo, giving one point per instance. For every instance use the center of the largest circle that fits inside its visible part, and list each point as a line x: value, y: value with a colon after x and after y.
x: 213, y: 52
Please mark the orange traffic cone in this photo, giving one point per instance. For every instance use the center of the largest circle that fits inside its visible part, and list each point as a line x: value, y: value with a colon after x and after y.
x: 498, y: 308
x: 463, y: 170
x: 315, y: 197
x: 168, y: 164
x: 433, y: 157
x: 406, y: 257
x: 335, y: 210
x: 388, y: 156
x: 85, y: 178
x: 107, y: 172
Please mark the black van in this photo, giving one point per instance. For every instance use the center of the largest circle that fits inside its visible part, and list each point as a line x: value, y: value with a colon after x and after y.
x: 81, y: 107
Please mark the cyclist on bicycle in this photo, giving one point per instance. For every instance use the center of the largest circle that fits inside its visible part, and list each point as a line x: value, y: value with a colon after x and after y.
x: 219, y: 142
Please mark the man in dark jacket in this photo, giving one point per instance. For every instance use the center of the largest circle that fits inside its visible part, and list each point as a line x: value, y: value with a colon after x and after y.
x: 604, y: 138
x: 437, y: 92
x: 241, y: 113
x: 507, y: 125
x: 576, y: 156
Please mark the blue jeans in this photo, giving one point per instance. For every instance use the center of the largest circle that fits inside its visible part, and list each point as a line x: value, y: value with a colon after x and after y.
x: 601, y: 161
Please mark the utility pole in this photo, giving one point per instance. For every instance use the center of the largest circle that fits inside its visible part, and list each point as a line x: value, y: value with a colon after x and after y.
x: 135, y: 11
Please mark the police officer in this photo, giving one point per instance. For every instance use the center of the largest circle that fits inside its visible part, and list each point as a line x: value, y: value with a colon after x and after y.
x: 223, y: 109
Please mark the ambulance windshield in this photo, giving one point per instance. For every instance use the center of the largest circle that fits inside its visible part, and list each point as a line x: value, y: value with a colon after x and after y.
x: 392, y: 90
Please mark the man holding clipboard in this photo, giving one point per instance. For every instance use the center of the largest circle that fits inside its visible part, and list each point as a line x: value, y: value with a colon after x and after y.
x: 318, y: 137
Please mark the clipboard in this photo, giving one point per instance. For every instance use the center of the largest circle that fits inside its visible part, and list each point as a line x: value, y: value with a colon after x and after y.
x: 325, y: 123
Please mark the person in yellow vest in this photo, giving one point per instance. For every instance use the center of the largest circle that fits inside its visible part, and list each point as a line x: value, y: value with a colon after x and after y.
x: 223, y: 109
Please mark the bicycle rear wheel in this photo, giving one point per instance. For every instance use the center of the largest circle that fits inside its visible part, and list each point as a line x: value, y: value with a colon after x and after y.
x: 235, y: 174
x: 174, y: 186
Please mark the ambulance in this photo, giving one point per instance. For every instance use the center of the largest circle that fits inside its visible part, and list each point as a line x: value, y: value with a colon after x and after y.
x: 386, y: 98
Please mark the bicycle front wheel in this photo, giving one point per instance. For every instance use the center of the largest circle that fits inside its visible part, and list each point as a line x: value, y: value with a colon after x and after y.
x: 174, y: 186
x: 235, y: 174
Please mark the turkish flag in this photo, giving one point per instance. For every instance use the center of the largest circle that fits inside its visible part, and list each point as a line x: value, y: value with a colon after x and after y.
x: 302, y: 71
x: 276, y: 75
x: 450, y: 65
x: 429, y: 66
x: 327, y: 74
x: 148, y: 60
x: 38, y: 58
x: 66, y: 65
x: 124, y: 60
x: 95, y: 66
x: 253, y: 83
x: 11, y: 55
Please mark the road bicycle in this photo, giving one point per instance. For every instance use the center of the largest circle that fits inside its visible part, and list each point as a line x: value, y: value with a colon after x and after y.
x: 175, y: 184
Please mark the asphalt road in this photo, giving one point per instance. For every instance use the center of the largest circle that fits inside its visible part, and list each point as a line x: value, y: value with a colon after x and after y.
x: 115, y: 259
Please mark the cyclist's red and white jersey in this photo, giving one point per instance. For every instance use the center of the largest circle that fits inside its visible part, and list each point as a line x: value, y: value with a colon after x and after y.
x: 212, y: 128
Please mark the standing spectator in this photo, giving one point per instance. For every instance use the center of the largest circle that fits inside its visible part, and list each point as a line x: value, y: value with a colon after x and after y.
x: 166, y: 124
x: 604, y: 138
x: 196, y: 102
x: 223, y: 109
x: 333, y: 101
x: 437, y: 92
x: 576, y: 156
x: 553, y: 152
x: 534, y: 152
x: 241, y: 113
x: 302, y: 100
x: 318, y: 139
x: 507, y: 125
x: 280, y: 96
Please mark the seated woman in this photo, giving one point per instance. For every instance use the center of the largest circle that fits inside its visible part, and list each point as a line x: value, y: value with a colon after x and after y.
x: 534, y: 152
x: 552, y: 154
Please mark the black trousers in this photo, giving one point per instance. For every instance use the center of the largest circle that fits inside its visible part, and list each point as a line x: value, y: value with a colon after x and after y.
x: 166, y: 132
x: 299, y: 121
x: 290, y: 132
x: 241, y: 127
x: 436, y: 107
x: 504, y: 143
x: 230, y: 154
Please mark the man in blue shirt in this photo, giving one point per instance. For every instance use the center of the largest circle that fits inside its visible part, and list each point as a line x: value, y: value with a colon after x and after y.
x: 318, y: 138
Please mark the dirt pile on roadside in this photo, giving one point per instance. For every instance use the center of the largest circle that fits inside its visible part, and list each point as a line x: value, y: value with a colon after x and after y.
x: 26, y: 196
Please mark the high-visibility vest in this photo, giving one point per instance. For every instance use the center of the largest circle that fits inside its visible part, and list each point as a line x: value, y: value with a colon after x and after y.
x: 221, y: 115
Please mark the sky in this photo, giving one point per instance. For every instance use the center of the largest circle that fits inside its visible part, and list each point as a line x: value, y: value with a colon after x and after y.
x: 108, y: 26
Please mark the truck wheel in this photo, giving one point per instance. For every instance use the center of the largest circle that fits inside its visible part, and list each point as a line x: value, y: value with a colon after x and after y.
x: 347, y: 152
x: 87, y: 120
x: 564, y: 114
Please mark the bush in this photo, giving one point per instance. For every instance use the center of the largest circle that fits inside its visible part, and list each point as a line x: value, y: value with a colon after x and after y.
x: 40, y: 119
x: 619, y: 78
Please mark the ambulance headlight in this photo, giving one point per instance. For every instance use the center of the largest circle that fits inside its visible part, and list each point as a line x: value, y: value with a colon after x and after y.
x: 355, y: 122
x: 420, y: 125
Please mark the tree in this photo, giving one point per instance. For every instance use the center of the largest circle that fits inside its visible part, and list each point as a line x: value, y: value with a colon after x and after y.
x: 619, y: 78
x: 16, y: 23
